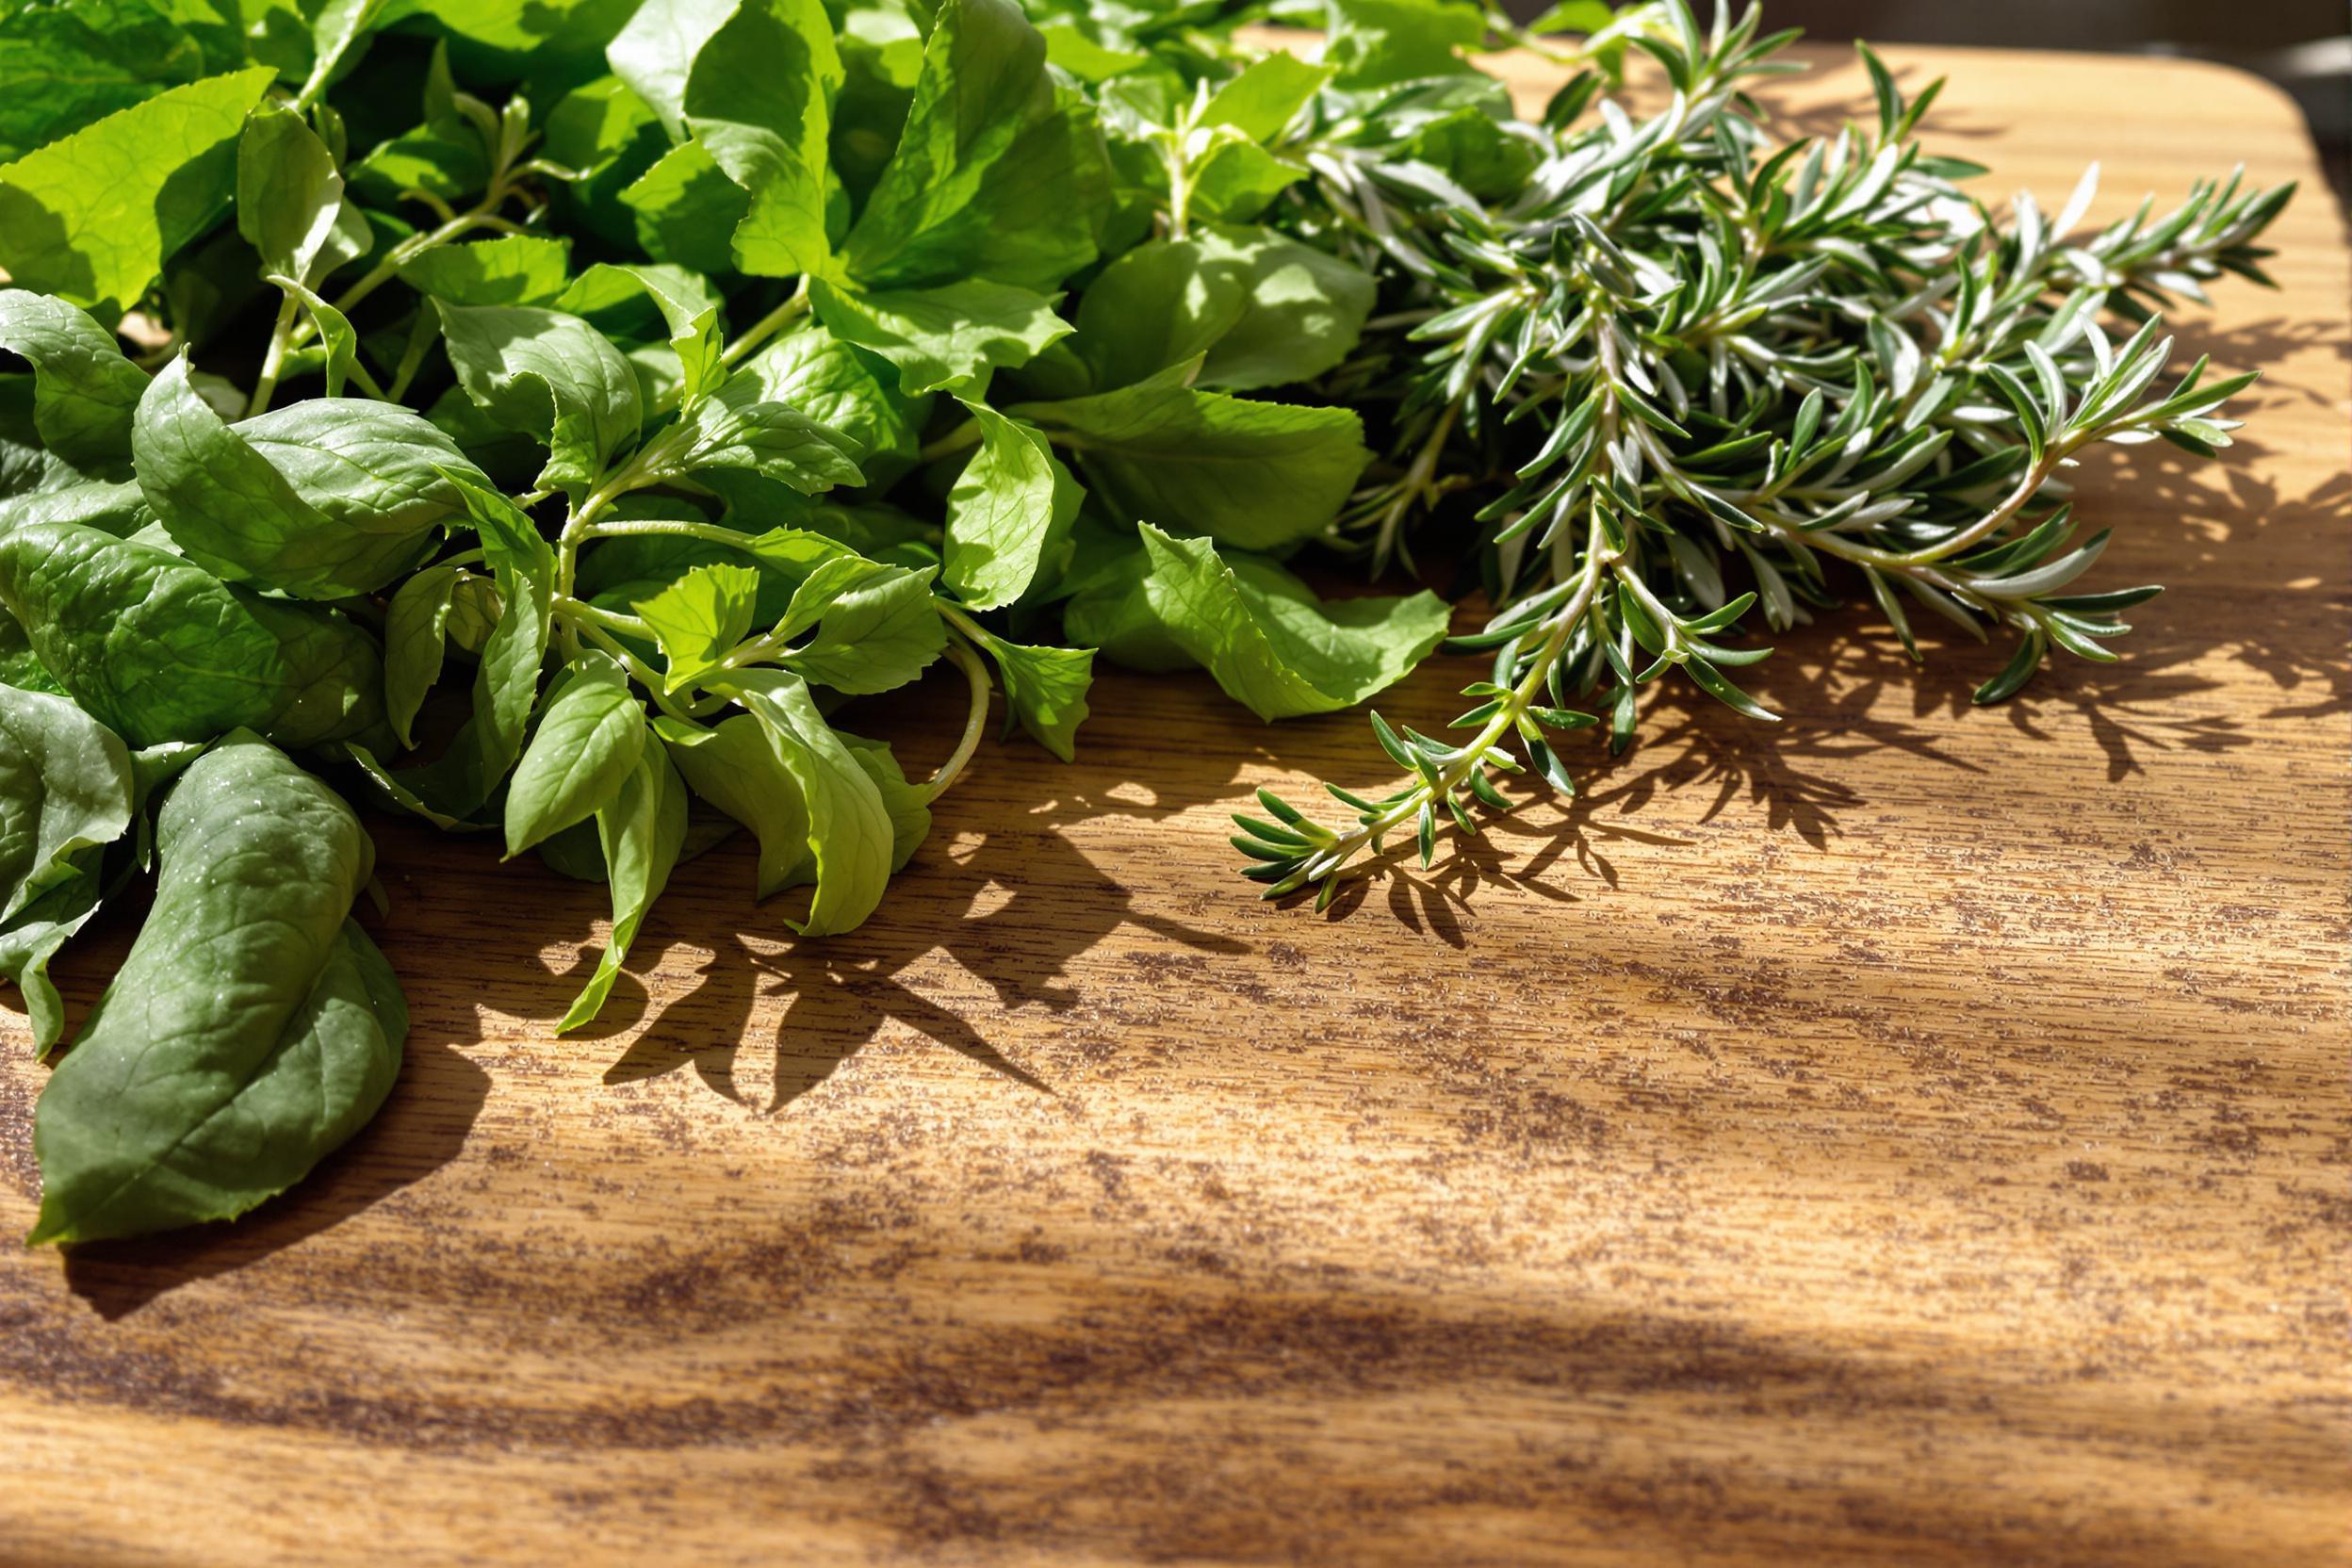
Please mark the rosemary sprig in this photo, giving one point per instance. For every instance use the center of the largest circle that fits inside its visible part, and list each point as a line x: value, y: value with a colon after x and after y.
x: 1723, y: 375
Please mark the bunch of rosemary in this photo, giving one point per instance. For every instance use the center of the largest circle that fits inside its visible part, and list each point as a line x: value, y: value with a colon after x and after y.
x: 1700, y: 376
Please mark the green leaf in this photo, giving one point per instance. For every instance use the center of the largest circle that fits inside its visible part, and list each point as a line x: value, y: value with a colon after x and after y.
x: 336, y: 336
x: 850, y: 837
x: 641, y: 830
x: 656, y: 51
x: 34, y: 936
x: 65, y: 787
x: 31, y: 936
x: 339, y: 32
x: 1261, y: 309
x: 512, y: 269
x: 850, y: 390
x: 760, y: 102
x: 908, y: 805
x: 1068, y: 47
x: 878, y: 628
x: 157, y: 649
x: 415, y: 635
x: 118, y: 509
x: 996, y: 176
x: 506, y: 681
x: 253, y: 1028
x: 551, y: 376
x: 699, y: 619
x: 64, y: 66
x: 1266, y: 96
x: 943, y: 337
x: 1270, y: 642
x: 289, y: 199
x: 584, y: 750
x: 1010, y: 501
x: 84, y: 390
x: 1237, y: 179
x: 1375, y: 43
x: 92, y: 217
x: 735, y: 767
x: 1045, y: 689
x: 689, y: 310
x: 1254, y: 474
x: 323, y: 499
x: 686, y: 210
x: 734, y: 430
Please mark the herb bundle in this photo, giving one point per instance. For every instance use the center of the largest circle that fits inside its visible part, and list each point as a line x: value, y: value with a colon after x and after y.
x: 555, y: 453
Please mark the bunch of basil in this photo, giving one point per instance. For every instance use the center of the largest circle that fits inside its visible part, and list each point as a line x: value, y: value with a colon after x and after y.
x: 650, y: 383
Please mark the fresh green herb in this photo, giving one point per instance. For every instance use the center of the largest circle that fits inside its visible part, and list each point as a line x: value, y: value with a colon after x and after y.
x: 659, y: 387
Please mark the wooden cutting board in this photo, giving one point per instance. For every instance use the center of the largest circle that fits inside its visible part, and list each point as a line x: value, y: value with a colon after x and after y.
x: 1908, y: 1134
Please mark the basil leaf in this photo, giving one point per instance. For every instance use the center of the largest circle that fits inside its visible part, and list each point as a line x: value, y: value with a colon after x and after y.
x: 65, y: 786
x: 289, y: 199
x: 1083, y: 57
x: 506, y: 681
x: 849, y: 390
x: 851, y: 838
x: 92, y: 217
x: 416, y: 632
x: 20, y: 666
x: 157, y: 649
x: 1254, y: 474
x: 1263, y: 635
x: 119, y: 509
x: 760, y: 100
x: 943, y: 336
x: 33, y: 936
x: 1266, y: 96
x: 322, y: 499
x: 1374, y: 42
x: 699, y: 619
x: 772, y: 439
x: 656, y: 50
x: 909, y: 806
x: 1262, y: 310
x: 337, y: 341
x: 1239, y: 179
x: 1045, y: 689
x: 878, y: 628
x: 331, y: 674
x: 735, y: 767
x: 685, y: 210
x: 253, y: 1028
x: 512, y: 269
x: 996, y: 174
x: 84, y: 390
x: 641, y: 832
x: 551, y: 376
x: 586, y: 746
x: 1012, y: 498
x: 689, y: 311
x: 63, y: 66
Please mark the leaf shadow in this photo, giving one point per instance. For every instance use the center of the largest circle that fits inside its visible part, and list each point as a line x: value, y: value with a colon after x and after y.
x: 1014, y: 904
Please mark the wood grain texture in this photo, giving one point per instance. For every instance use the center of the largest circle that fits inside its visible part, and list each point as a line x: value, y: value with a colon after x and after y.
x: 1908, y: 1135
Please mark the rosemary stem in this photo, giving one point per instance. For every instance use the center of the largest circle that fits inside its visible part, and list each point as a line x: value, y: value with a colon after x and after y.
x: 1559, y: 627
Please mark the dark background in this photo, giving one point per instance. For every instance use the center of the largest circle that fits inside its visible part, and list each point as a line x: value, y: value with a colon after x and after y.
x: 2304, y: 46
